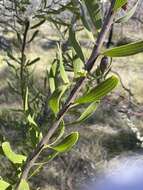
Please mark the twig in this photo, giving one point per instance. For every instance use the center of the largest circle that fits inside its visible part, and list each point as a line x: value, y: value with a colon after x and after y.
x: 79, y: 84
x: 122, y: 84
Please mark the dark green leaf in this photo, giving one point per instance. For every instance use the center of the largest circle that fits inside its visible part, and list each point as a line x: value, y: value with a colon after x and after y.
x: 54, y: 101
x: 125, y: 50
x: 33, y: 36
x: 33, y: 61
x: 35, y: 133
x: 59, y: 133
x: 38, y: 24
x: 75, y: 44
x: 99, y: 91
x: 94, y: 11
x: 62, y: 69
x: 52, y: 77
x: 88, y: 112
x: 12, y: 57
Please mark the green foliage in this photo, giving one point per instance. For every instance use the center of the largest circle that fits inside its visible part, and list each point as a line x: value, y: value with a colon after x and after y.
x: 75, y: 44
x: 128, y: 15
x: 54, y: 101
x: 23, y: 185
x: 94, y: 11
x: 44, y: 109
x: 67, y: 143
x: 12, y: 156
x: 119, y: 4
x: 125, y: 50
x: 61, y: 67
x: 99, y: 91
x: 3, y: 184
x: 88, y: 112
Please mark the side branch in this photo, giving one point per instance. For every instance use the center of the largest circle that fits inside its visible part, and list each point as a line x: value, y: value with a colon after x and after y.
x: 79, y: 84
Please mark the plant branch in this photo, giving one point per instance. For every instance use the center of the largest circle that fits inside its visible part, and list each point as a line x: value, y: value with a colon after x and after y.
x: 23, y: 59
x: 75, y: 91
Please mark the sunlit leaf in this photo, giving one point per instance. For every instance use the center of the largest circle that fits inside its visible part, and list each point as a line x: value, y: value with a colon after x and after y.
x: 78, y: 66
x: 62, y: 69
x: 125, y: 50
x: 12, y: 156
x: 31, y: 120
x: 67, y: 143
x: 23, y: 185
x: 99, y: 91
x: 128, y: 15
x: 52, y: 84
x: 3, y: 185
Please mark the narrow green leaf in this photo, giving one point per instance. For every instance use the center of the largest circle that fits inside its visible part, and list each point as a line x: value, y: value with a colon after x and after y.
x: 59, y: 133
x: 128, y: 15
x: 119, y: 4
x: 13, y: 157
x: 19, y: 37
x: 78, y: 66
x: 31, y: 121
x: 9, y: 54
x: 54, y: 101
x: 48, y: 158
x: 23, y: 185
x: 94, y: 11
x: 33, y: 36
x: 84, y: 18
x: 38, y: 24
x: 67, y: 143
x: 125, y: 50
x: 33, y: 61
x: 52, y: 84
x: 88, y: 112
x: 62, y: 69
x: 26, y: 99
x: 3, y: 185
x: 99, y: 91
x: 52, y: 76
x: 35, y: 133
x: 75, y: 44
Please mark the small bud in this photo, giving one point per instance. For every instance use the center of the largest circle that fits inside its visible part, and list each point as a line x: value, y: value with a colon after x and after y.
x: 124, y: 7
x: 104, y: 64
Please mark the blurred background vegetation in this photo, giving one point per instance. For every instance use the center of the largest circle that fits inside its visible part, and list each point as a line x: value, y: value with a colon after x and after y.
x: 107, y: 134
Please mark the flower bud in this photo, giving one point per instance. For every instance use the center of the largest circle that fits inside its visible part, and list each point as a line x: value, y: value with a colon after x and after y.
x: 124, y: 7
x: 104, y: 64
